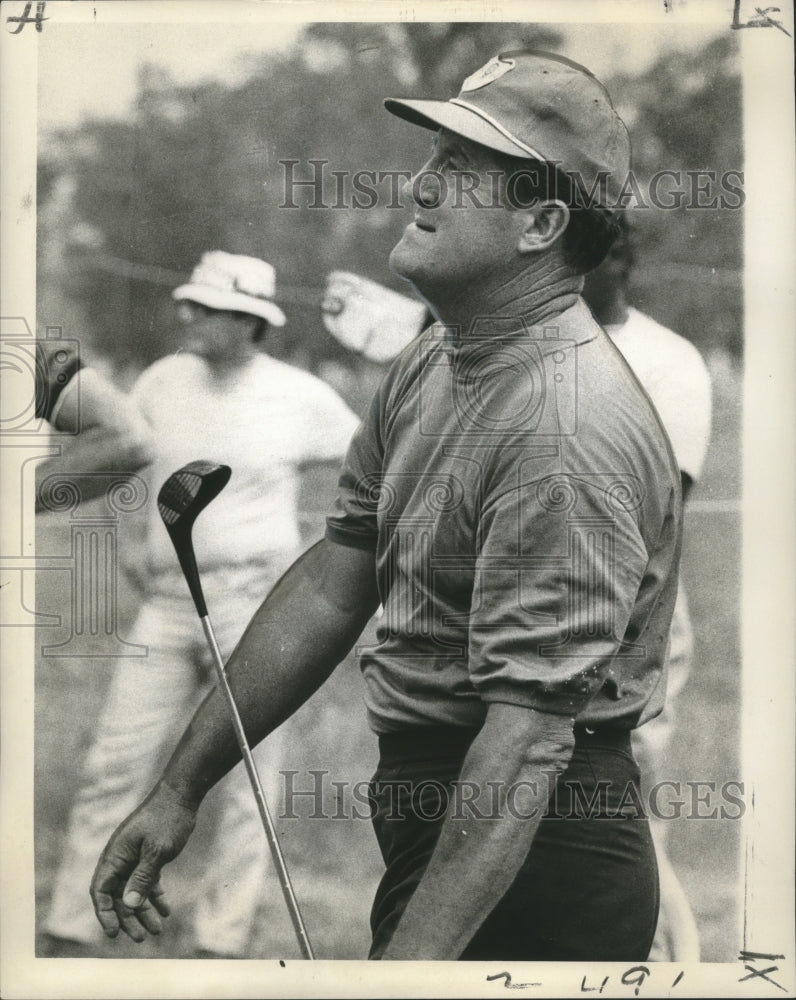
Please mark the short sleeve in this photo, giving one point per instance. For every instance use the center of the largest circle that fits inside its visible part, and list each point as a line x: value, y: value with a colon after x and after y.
x: 560, y: 564
x: 353, y: 520
x: 675, y: 375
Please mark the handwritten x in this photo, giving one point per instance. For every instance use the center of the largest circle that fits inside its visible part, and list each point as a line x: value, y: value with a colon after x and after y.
x: 753, y: 956
x: 761, y: 974
x: 770, y: 20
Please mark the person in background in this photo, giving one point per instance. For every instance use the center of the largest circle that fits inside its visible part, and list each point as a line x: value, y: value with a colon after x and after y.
x: 102, y: 429
x: 374, y: 324
x: 218, y: 398
x: 672, y: 371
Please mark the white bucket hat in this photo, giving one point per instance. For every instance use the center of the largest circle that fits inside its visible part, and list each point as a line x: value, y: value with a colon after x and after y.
x: 232, y: 281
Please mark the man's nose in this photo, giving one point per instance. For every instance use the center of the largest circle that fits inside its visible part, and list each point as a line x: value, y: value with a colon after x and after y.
x: 426, y: 188
x: 184, y: 314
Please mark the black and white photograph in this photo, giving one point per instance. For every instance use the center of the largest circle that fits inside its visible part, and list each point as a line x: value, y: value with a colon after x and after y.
x: 397, y: 448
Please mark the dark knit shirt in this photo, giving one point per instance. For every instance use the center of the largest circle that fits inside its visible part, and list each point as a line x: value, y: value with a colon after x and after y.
x: 523, y: 504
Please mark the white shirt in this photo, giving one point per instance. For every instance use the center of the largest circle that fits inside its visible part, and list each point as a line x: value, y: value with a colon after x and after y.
x: 677, y: 381
x: 265, y: 420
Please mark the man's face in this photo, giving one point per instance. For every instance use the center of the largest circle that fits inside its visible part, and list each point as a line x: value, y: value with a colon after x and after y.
x: 453, y: 243
x: 212, y: 334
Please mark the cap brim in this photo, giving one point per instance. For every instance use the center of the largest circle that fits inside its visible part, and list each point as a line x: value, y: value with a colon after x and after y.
x: 442, y: 114
x: 214, y: 298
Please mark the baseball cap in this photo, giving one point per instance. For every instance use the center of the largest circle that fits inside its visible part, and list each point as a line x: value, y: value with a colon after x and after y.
x: 233, y: 281
x: 536, y: 105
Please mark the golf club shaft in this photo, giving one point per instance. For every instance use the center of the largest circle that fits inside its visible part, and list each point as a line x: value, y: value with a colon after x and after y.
x: 254, y: 778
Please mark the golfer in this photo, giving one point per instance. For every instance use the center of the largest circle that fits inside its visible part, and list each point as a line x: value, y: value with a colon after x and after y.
x: 512, y: 501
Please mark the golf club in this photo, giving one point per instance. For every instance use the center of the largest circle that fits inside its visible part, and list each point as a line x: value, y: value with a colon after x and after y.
x: 183, y: 496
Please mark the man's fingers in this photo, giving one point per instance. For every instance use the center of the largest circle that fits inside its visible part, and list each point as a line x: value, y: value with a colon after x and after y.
x: 114, y: 916
x: 158, y: 899
x: 106, y: 913
x: 130, y: 923
x: 126, y: 886
x: 149, y: 919
x: 145, y: 917
x: 143, y: 881
x: 143, y: 902
x: 105, y: 890
x: 151, y: 910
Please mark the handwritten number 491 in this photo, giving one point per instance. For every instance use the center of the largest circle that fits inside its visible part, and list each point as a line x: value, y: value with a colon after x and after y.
x: 633, y: 976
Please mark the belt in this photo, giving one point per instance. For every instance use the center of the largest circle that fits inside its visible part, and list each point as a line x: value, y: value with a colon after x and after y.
x: 609, y: 737
x: 418, y: 743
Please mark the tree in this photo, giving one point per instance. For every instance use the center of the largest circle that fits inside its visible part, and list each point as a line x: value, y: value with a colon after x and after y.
x: 209, y: 167
x: 687, y: 116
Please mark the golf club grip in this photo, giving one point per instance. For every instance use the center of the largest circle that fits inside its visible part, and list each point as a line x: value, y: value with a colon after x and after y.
x: 259, y: 794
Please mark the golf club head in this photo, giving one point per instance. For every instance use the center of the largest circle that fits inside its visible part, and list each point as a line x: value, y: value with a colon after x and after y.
x: 183, y: 496
x: 187, y: 492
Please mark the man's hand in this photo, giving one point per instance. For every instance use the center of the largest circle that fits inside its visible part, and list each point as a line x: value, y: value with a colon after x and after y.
x: 307, y: 624
x: 126, y: 890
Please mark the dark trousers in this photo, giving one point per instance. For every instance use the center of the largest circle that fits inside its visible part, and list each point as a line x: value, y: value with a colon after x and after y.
x: 588, y: 889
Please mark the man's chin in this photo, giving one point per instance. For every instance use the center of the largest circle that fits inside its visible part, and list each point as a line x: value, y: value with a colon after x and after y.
x: 403, y: 264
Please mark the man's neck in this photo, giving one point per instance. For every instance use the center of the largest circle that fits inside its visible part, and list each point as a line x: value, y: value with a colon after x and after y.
x: 222, y: 369
x: 614, y: 312
x: 533, y: 296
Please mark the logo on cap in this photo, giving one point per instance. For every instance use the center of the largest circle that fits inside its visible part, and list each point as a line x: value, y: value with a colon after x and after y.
x: 492, y: 71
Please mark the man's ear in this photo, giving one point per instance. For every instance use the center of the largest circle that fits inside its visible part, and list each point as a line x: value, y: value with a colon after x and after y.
x: 545, y: 222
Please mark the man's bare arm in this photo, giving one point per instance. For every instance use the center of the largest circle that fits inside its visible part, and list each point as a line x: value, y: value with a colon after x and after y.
x: 303, y: 629
x: 106, y: 433
x: 94, y: 452
x: 518, y: 751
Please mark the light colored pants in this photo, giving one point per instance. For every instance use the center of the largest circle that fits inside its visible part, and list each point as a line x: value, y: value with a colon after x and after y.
x: 149, y: 702
x: 651, y: 741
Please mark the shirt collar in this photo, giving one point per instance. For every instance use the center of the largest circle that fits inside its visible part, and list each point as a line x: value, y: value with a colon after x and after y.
x: 491, y: 336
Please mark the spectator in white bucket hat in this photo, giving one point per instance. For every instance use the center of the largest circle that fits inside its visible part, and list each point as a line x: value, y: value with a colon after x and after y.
x: 233, y: 283
x: 218, y: 398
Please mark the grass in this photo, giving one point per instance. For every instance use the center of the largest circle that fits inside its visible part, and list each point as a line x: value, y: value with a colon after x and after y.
x: 335, y: 864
